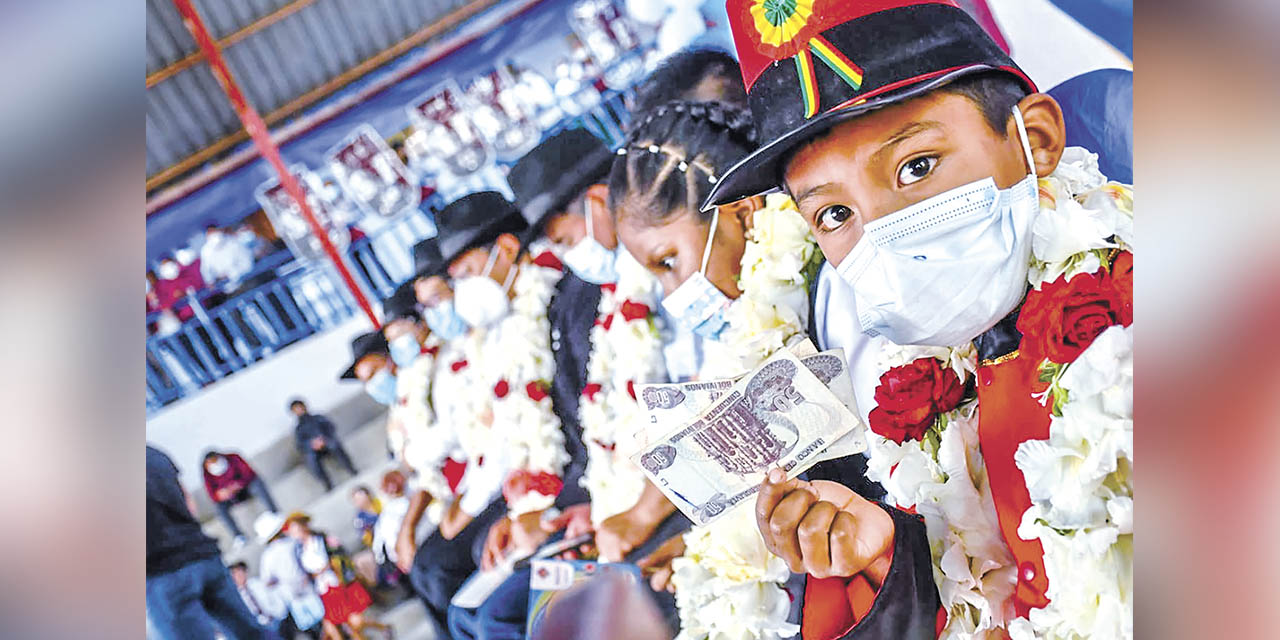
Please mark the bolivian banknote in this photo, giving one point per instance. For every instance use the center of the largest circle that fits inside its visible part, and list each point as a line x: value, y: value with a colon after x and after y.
x: 669, y: 405
x: 780, y: 415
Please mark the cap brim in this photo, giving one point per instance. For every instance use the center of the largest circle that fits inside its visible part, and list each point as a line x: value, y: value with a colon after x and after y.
x: 349, y: 374
x: 760, y: 172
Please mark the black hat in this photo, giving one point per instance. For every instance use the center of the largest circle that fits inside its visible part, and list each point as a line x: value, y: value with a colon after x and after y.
x: 402, y: 303
x: 363, y: 345
x: 545, y: 179
x: 811, y: 64
x: 475, y: 220
x: 427, y: 260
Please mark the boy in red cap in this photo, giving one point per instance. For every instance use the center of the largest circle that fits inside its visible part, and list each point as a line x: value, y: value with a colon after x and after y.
x: 936, y: 180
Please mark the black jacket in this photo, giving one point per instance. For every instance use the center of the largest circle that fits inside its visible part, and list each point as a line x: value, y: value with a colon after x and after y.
x: 311, y: 426
x: 571, y: 314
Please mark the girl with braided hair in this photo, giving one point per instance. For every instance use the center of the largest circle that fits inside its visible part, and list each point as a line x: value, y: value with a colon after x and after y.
x: 659, y: 179
x: 739, y: 277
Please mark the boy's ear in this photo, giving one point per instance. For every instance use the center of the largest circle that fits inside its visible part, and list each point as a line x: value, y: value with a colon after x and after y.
x: 1046, y: 131
x: 508, y: 246
x: 598, y: 197
x: 743, y: 209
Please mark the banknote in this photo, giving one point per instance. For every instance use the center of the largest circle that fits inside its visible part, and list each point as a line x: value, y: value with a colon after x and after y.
x: 670, y: 405
x: 780, y: 415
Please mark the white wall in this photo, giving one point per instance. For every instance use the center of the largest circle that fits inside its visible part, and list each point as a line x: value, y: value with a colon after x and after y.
x: 247, y: 411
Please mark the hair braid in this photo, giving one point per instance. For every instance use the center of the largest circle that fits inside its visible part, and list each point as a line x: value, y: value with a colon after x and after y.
x: 673, y: 156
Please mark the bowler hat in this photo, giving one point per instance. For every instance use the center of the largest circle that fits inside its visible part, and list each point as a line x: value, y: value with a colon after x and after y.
x: 559, y: 168
x: 402, y: 303
x: 363, y: 345
x: 475, y: 220
x: 809, y: 65
x: 427, y: 260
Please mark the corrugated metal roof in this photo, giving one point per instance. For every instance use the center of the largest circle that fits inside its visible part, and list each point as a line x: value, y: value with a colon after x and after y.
x: 282, y: 49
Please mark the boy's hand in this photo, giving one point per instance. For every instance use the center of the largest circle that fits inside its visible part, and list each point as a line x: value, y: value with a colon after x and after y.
x: 657, y: 565
x: 496, y: 543
x: 575, y: 520
x: 620, y: 533
x: 823, y: 528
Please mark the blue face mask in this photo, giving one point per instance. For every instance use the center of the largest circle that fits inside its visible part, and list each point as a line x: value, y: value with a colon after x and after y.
x: 404, y: 350
x: 696, y: 303
x: 382, y: 387
x: 590, y: 260
x: 445, y: 321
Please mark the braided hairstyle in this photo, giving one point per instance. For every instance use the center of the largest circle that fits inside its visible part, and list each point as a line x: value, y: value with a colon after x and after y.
x: 673, y: 157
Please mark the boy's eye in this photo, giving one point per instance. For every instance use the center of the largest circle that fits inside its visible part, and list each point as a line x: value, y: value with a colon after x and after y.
x: 833, y: 217
x: 916, y: 169
x: 667, y: 264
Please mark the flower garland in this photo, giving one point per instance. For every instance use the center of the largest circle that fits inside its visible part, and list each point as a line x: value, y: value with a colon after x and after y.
x: 626, y: 350
x: 518, y: 371
x: 924, y: 446
x: 728, y: 585
x: 411, y: 422
x: 461, y: 400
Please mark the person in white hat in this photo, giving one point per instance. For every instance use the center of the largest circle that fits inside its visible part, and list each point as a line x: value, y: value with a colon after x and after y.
x: 280, y: 570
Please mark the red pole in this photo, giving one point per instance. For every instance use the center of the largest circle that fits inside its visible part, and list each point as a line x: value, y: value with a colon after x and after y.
x: 266, y: 146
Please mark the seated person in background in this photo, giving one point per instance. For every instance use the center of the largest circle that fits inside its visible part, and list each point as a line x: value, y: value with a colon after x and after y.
x: 316, y: 436
x: 264, y: 602
x: 281, y: 572
x: 395, y: 506
x: 224, y: 259
x: 230, y: 480
x: 345, y: 599
x: 367, y: 510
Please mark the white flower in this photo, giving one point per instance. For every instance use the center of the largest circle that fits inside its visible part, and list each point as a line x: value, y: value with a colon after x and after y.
x: 1078, y: 170
x: 1057, y: 234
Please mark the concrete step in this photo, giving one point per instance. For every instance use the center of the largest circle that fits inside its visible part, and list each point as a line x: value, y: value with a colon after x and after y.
x: 409, y: 619
x: 281, y: 459
x: 299, y: 490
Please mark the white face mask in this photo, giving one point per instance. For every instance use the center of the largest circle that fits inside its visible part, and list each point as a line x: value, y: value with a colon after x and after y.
x: 479, y: 300
x: 445, y: 321
x: 404, y: 350
x: 696, y: 303
x: 589, y: 259
x: 382, y: 387
x: 168, y: 270
x: 946, y: 269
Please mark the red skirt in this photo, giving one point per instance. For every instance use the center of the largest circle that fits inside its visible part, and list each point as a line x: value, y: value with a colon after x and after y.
x: 341, y: 602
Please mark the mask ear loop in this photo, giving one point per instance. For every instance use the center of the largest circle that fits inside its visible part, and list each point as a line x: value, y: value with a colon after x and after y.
x: 706, y: 252
x: 490, y: 261
x: 1026, y: 142
x: 586, y: 206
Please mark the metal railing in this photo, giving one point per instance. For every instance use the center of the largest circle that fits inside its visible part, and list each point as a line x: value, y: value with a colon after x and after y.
x: 224, y: 336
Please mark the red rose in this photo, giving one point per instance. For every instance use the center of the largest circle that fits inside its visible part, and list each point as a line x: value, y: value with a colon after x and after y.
x: 911, y: 396
x: 549, y: 260
x: 501, y: 389
x: 432, y: 351
x: 634, y: 310
x: 536, y: 390
x: 589, y: 392
x: 611, y: 287
x: 608, y: 322
x: 520, y: 483
x: 458, y: 366
x: 1064, y: 316
x: 631, y: 388
x: 1121, y: 280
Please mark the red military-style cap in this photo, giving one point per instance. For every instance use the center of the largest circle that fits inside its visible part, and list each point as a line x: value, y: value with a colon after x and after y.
x: 811, y: 64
